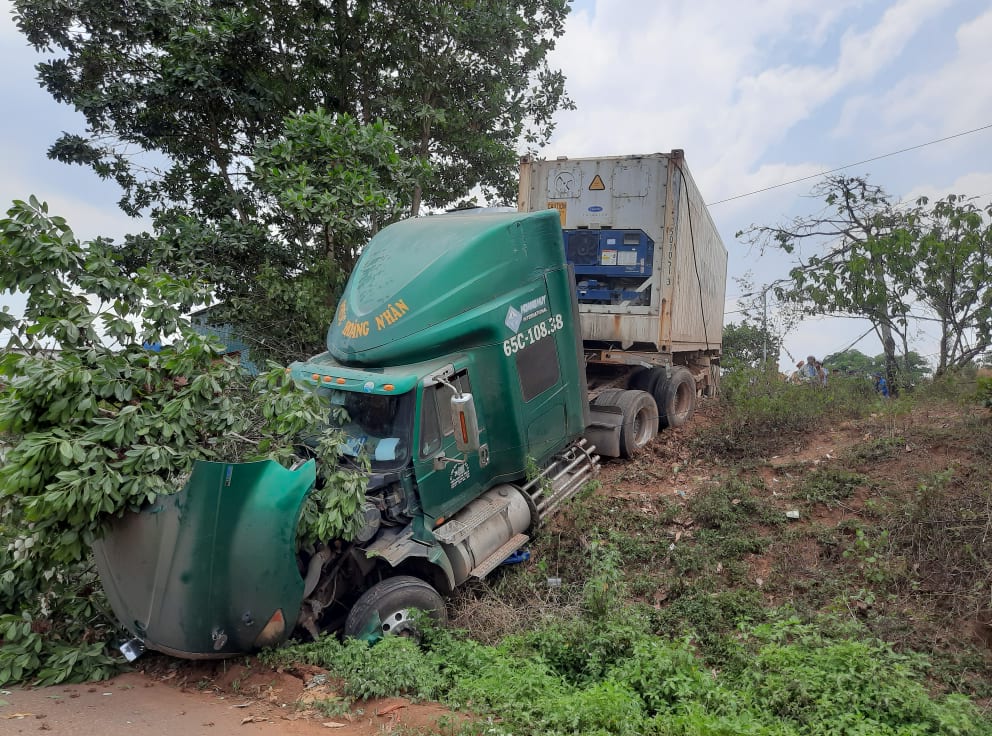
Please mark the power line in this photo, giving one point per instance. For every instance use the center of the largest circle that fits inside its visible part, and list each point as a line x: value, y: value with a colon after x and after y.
x: 847, y: 166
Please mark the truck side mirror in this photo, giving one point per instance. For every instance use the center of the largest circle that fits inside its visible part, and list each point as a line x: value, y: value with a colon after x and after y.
x: 465, y: 422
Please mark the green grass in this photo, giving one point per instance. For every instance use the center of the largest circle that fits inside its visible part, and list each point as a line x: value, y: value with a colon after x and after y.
x: 612, y: 675
x: 829, y: 486
x: 762, y: 413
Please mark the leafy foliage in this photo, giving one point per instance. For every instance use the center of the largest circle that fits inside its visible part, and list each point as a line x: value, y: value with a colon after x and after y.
x: 762, y: 411
x: 791, y: 679
x: 394, y: 666
x: 830, y: 485
x: 952, y: 274
x: 268, y: 140
x: 97, y: 423
x: 912, y: 368
x: 747, y: 345
x: 984, y: 392
x: 203, y: 83
x: 323, y: 187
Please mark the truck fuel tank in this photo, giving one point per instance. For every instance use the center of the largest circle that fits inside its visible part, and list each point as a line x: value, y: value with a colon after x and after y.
x: 485, y: 532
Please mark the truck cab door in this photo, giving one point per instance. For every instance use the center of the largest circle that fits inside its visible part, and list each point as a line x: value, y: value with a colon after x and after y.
x: 446, y: 484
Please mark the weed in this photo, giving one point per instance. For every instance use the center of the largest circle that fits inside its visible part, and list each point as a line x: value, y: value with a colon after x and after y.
x: 713, y: 621
x: 875, y: 450
x: 829, y: 485
x: 604, y: 590
x: 730, y: 505
x: 763, y: 413
x: 723, y: 665
x: 869, y: 551
x: 393, y: 667
x: 332, y: 707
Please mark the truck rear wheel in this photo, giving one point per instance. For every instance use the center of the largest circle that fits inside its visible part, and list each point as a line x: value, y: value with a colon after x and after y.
x: 676, y: 398
x: 640, y: 420
x: 388, y: 609
x: 607, y: 397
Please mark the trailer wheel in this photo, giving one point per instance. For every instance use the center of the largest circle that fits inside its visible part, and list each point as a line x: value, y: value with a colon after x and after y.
x: 387, y: 609
x: 677, y: 398
x: 640, y: 421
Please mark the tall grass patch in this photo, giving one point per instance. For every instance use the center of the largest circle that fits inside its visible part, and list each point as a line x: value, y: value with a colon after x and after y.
x: 762, y: 412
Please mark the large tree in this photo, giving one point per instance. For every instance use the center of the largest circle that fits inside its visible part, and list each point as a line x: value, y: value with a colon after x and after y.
x: 912, y: 368
x: 202, y: 82
x: 951, y: 275
x: 858, y: 265
x: 891, y: 265
x: 180, y: 100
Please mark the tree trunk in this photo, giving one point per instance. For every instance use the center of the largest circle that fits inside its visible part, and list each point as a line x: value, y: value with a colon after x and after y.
x: 889, y: 348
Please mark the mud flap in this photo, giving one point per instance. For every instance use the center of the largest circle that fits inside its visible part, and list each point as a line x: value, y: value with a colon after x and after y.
x: 210, y: 571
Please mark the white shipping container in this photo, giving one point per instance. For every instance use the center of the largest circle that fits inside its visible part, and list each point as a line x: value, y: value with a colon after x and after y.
x: 663, y: 293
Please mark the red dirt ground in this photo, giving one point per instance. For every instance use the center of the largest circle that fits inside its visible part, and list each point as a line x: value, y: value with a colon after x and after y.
x: 237, y: 701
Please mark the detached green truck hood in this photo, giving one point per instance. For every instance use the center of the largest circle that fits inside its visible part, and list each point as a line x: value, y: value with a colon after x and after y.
x: 210, y: 571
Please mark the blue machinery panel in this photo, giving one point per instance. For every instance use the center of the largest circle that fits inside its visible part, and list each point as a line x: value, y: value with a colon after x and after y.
x: 610, y: 264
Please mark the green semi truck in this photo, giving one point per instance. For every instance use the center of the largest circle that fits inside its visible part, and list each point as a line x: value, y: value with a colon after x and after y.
x: 457, y: 353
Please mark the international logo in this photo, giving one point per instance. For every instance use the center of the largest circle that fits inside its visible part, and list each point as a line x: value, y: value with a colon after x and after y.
x: 513, y: 318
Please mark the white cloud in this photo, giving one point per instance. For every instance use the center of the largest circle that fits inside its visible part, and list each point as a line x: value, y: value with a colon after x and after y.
x: 974, y: 184
x: 708, y: 79
x: 943, y: 100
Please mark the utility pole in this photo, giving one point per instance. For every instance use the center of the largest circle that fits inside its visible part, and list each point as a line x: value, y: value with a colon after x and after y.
x: 764, y: 321
x: 764, y: 327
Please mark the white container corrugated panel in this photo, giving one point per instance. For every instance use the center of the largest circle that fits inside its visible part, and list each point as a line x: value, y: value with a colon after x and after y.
x: 701, y: 273
x: 654, y: 193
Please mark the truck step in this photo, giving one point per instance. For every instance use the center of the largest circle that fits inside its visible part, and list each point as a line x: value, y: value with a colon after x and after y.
x: 493, y: 561
x: 455, y: 530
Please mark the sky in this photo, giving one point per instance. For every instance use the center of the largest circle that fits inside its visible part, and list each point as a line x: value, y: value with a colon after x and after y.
x: 757, y: 94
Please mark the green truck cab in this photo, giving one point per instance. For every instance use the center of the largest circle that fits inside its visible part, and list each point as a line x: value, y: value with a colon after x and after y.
x: 454, y: 352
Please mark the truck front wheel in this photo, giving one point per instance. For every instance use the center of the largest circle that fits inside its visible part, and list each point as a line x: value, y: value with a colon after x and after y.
x: 389, y: 608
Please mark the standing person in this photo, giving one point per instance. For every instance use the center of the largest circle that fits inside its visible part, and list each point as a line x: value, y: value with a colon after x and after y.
x: 810, y: 369
x: 797, y: 375
x: 881, y: 385
x: 821, y: 374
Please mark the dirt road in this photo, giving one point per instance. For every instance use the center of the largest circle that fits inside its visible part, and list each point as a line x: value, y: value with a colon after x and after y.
x: 139, y: 704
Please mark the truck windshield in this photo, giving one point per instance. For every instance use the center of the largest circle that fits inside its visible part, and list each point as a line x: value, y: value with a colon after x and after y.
x: 380, y: 425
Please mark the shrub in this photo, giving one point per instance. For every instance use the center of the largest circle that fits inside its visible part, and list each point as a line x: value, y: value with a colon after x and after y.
x: 96, y: 424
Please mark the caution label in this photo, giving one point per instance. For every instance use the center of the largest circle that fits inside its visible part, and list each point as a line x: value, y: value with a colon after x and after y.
x: 561, y: 207
x: 597, y: 184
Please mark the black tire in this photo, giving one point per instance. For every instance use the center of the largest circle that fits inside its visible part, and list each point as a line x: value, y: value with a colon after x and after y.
x: 640, y: 421
x: 391, y: 603
x: 607, y: 397
x: 646, y: 379
x: 677, y: 398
